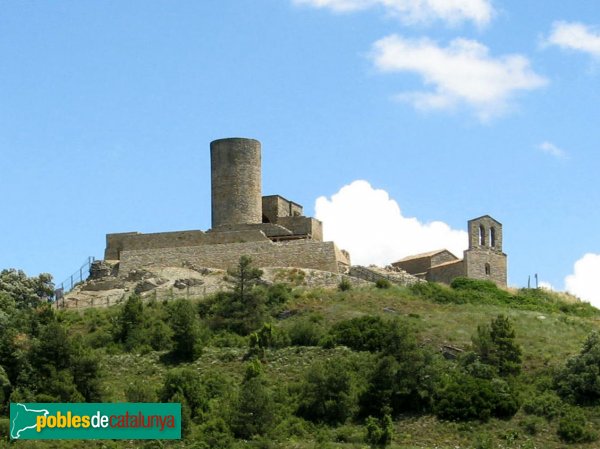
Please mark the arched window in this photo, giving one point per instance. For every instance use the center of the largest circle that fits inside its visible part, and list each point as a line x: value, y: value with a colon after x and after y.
x: 481, y: 235
x: 492, y: 236
x: 488, y: 269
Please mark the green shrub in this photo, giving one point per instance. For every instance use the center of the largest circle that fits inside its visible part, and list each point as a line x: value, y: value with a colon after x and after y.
x: 344, y: 285
x: 579, y: 380
x: 226, y: 339
x: 187, y: 383
x: 140, y: 391
x: 532, y: 424
x: 327, y: 394
x: 546, y: 405
x: 159, y: 335
x: 461, y: 397
x: 383, y: 283
x: 305, y: 332
x: 277, y: 295
x: 214, y: 434
x: 4, y: 429
x: 397, y: 385
x: 372, y: 333
x: 573, y: 428
x: 379, y: 431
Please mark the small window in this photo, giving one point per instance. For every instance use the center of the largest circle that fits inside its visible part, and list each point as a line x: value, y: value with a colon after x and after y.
x: 492, y: 237
x: 481, y: 235
x: 488, y: 269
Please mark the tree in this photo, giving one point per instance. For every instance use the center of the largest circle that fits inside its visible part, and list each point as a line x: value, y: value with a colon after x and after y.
x: 245, y: 277
x: 579, y: 380
x: 496, y: 346
x: 254, y: 409
x: 187, y: 335
x: 187, y: 383
x: 23, y: 290
x: 243, y: 309
x: 327, y: 394
x: 130, y: 321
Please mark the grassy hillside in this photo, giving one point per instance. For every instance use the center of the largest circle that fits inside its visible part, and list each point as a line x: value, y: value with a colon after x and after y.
x: 548, y: 327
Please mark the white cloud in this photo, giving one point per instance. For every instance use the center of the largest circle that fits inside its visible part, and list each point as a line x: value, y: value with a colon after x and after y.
x: 370, y: 225
x: 585, y: 280
x: 416, y: 11
x: 575, y: 36
x: 546, y: 286
x: 553, y: 150
x: 463, y: 73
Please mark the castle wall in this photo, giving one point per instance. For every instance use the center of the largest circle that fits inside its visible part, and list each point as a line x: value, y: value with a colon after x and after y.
x: 302, y: 254
x: 276, y: 206
x: 303, y: 225
x: 116, y: 244
x: 236, y: 181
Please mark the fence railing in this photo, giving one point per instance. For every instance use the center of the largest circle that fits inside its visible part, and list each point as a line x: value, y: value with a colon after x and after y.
x: 78, y: 276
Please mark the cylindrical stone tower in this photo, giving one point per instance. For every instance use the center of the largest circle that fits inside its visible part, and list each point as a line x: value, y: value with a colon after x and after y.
x: 236, y: 181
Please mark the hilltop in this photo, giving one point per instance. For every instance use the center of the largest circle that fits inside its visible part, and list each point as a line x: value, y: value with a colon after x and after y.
x: 314, y: 349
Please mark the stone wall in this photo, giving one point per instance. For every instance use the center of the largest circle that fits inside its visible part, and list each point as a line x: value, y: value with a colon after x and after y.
x: 476, y: 261
x: 414, y: 266
x: 485, y: 232
x: 275, y: 206
x: 303, y: 226
x: 116, y: 244
x: 445, y: 273
x: 323, y: 256
x: 442, y: 258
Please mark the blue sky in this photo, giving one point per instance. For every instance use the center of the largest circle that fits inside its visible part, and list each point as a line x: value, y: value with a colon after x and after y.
x: 446, y: 110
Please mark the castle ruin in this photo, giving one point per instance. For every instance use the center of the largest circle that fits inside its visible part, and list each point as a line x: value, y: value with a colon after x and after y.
x: 270, y: 229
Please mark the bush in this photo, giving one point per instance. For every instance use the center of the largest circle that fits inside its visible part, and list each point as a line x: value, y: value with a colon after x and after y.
x: 344, y: 285
x: 187, y: 383
x: 327, y: 394
x: 277, y: 295
x: 547, y: 405
x: 140, y: 391
x: 215, y: 434
x: 573, y: 428
x: 532, y: 424
x: 383, y: 283
x: 579, y: 380
x: 372, y: 333
x: 305, y: 332
x: 461, y: 397
x: 379, y: 431
x: 396, y: 386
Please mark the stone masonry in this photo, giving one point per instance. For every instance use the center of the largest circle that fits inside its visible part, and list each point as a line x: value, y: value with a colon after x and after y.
x: 270, y: 229
x: 483, y: 260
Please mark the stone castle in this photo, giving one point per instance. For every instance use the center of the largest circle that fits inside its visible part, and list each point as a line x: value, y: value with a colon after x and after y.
x: 274, y: 232
x: 270, y: 229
